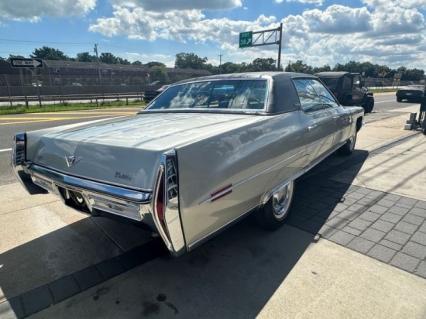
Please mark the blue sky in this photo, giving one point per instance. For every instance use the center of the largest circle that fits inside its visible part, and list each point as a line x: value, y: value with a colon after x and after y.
x: 315, y: 31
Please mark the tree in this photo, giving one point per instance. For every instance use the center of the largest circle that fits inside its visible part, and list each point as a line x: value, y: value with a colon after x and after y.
x: 137, y: 62
x: 13, y: 56
x: 155, y: 63
x: 159, y: 73
x: 299, y: 66
x: 263, y: 64
x: 230, y: 67
x: 123, y: 61
x: 189, y: 61
x: 85, y: 57
x: 324, y: 68
x: 108, y: 58
x: 48, y: 53
x: 413, y: 75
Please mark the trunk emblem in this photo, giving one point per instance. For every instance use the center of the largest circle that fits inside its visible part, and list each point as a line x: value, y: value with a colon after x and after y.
x: 71, y: 160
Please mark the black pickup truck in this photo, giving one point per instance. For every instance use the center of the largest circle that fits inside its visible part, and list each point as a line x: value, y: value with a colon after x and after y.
x: 349, y: 89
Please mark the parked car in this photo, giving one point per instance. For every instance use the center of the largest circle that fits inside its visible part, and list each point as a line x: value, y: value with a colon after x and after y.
x: 349, y: 89
x: 203, y: 154
x: 410, y: 93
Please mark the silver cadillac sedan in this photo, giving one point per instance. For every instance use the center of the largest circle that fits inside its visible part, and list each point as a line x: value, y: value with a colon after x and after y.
x: 203, y: 154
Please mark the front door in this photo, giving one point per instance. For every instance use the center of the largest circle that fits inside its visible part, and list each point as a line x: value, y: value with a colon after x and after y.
x: 341, y: 119
x: 320, y: 125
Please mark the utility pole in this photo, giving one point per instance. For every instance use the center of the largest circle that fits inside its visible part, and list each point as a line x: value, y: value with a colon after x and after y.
x: 95, y: 49
x: 279, y: 45
x: 220, y: 60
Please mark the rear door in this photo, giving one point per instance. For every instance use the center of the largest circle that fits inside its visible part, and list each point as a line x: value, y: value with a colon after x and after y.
x: 320, y: 125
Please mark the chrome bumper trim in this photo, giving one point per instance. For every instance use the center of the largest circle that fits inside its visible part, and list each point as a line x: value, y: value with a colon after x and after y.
x: 84, y: 184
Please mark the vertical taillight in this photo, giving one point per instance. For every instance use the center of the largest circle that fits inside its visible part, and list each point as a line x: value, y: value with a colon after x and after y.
x: 166, y: 204
x: 18, y: 154
x: 160, y: 200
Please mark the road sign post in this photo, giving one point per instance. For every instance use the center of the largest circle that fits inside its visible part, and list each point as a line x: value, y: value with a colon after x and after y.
x: 26, y: 63
x: 264, y: 37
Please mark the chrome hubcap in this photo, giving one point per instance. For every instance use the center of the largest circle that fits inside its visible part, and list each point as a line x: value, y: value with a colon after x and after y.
x: 281, y: 200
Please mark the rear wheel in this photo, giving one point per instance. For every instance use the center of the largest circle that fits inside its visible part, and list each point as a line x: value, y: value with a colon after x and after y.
x: 273, y: 214
x: 349, y: 146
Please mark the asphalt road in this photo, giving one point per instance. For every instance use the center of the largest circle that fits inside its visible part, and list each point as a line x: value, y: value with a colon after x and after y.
x: 385, y: 106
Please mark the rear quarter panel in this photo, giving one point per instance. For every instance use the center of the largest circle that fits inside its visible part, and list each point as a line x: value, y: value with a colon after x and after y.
x: 253, y: 159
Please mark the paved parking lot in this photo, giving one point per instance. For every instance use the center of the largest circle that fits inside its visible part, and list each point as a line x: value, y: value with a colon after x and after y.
x: 355, y: 246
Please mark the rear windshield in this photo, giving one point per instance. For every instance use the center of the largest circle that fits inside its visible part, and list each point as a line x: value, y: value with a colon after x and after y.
x: 221, y: 94
x: 330, y: 82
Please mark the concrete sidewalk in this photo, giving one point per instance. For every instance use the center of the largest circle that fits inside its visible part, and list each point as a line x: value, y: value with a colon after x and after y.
x: 249, y: 274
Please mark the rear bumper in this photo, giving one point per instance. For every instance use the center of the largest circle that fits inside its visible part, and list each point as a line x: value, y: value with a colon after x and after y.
x: 128, y: 203
x: 121, y: 201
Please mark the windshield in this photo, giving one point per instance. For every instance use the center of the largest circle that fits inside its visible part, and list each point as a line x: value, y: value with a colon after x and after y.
x: 221, y: 94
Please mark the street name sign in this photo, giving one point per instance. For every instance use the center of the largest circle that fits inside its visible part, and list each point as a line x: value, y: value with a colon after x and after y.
x: 26, y: 63
x: 246, y: 39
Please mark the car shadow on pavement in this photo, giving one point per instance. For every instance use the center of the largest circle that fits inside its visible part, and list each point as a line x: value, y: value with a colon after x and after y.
x: 232, y: 275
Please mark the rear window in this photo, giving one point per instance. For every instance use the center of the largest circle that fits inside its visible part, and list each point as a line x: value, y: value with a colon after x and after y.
x: 221, y: 94
x: 331, y: 82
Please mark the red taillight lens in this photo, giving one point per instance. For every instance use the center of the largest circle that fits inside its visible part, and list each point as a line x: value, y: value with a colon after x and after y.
x: 159, y: 204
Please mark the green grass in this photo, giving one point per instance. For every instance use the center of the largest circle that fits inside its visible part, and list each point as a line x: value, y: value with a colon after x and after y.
x: 20, y: 109
x: 383, y: 90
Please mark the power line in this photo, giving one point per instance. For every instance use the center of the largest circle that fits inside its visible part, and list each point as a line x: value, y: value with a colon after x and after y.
x: 51, y: 42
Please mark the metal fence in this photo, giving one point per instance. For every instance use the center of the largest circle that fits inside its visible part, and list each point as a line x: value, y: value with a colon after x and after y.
x: 73, y: 81
x: 388, y: 82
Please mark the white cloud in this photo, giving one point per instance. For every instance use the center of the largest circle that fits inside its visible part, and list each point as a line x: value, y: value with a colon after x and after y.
x: 338, y: 19
x: 397, y: 20
x: 168, y: 60
x: 376, y: 32
x: 417, y: 4
x: 165, y: 5
x: 180, y: 25
x: 34, y: 10
x: 316, y: 2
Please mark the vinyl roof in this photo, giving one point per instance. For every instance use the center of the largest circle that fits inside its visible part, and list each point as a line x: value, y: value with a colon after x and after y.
x: 249, y: 75
x: 337, y: 74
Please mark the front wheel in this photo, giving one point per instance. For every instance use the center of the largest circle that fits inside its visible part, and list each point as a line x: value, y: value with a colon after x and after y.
x: 274, y: 213
x: 349, y: 146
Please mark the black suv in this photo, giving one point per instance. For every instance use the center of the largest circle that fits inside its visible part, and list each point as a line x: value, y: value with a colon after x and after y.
x: 349, y: 89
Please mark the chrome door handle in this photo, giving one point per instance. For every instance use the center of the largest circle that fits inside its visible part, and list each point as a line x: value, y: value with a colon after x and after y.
x: 311, y: 127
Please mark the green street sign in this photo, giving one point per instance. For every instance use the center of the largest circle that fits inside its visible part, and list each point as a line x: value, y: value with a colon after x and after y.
x: 246, y: 39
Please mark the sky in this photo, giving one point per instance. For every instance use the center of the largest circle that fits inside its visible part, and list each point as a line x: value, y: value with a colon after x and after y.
x: 319, y: 32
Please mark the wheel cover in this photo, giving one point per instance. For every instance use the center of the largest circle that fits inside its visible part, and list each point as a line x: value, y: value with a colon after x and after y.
x: 281, y: 200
